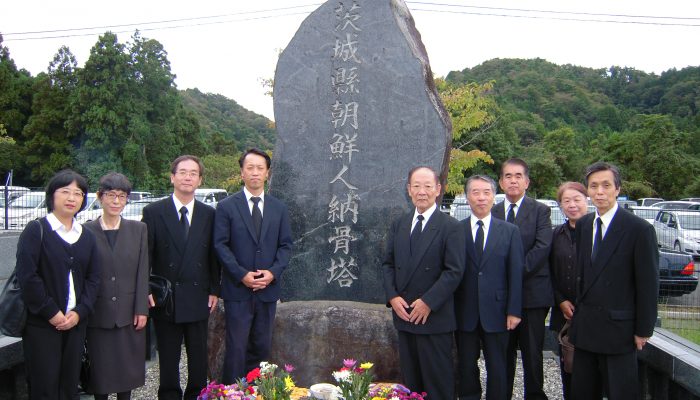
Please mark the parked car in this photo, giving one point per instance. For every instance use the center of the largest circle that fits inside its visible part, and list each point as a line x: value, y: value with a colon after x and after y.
x: 679, y: 230
x: 626, y: 203
x: 460, y: 211
x: 23, y: 209
x: 647, y: 213
x: 92, y: 211
x: 210, y: 197
x: 134, y: 209
x: 691, y: 199
x: 133, y: 196
x: 678, y: 205
x: 648, y: 201
x: 13, y: 192
x: 676, y: 273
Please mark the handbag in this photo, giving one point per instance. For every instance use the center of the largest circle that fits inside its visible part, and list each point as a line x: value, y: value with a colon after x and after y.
x: 85, y: 370
x: 13, y: 311
x: 567, y: 349
x: 162, y: 292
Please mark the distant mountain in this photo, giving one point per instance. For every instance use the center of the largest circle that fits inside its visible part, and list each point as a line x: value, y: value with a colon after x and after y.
x: 219, y: 114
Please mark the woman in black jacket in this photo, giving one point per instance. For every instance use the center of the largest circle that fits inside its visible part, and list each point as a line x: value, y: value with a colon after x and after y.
x: 59, y: 277
x: 562, y: 262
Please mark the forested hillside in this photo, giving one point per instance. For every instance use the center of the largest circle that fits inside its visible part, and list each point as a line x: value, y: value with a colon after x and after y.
x: 122, y: 112
x: 561, y: 118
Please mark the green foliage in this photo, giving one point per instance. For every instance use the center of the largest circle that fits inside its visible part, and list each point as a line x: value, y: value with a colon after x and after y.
x: 222, y: 171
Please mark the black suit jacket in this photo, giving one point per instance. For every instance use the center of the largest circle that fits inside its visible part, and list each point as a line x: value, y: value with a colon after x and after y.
x: 535, y: 228
x: 124, y: 288
x: 492, y: 289
x: 618, y: 293
x: 432, y: 273
x: 191, y: 266
x: 240, y: 251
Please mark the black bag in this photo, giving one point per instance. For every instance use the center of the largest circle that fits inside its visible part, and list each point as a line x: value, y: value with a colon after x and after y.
x: 162, y: 292
x: 13, y: 311
x: 567, y: 349
x: 85, y: 370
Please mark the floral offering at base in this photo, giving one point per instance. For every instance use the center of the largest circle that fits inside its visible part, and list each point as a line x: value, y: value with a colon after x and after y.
x: 394, y: 392
x: 219, y: 391
x: 354, y: 380
x: 273, y: 383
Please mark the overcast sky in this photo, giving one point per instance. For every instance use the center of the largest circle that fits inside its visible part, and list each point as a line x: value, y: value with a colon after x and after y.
x: 226, y: 47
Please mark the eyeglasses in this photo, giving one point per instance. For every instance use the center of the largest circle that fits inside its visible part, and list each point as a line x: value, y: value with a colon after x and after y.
x: 184, y: 173
x: 68, y: 193
x: 111, y: 196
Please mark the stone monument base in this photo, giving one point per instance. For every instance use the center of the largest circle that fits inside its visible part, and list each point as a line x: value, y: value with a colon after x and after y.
x: 315, y: 337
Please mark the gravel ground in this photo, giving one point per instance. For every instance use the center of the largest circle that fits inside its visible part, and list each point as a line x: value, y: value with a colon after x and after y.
x: 552, y: 381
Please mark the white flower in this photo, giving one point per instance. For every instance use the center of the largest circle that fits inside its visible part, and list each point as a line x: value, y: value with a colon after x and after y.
x: 341, y: 376
x: 267, y: 368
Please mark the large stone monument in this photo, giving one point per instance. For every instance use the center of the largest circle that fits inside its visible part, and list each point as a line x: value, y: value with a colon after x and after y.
x: 355, y: 108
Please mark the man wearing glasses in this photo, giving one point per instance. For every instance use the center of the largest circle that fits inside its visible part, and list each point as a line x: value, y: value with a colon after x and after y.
x: 180, y: 249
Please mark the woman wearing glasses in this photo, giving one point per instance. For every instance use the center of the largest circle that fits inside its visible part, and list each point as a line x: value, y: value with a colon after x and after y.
x: 116, y: 340
x: 59, y: 275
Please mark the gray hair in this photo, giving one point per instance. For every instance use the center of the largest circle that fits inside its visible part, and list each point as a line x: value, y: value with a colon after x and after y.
x: 484, y: 178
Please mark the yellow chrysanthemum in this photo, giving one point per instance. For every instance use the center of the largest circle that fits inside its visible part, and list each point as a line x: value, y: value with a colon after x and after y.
x: 288, y: 382
x: 377, y: 398
x: 366, y: 365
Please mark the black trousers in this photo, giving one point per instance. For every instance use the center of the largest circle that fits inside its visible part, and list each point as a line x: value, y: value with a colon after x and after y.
x: 170, y: 336
x: 469, y: 345
x: 248, y: 336
x: 426, y: 364
x: 52, y: 359
x: 529, y: 337
x: 613, y: 374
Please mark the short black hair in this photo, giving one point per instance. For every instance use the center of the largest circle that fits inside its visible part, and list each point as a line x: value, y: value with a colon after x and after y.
x: 186, y: 157
x: 257, y: 151
x: 516, y: 161
x: 603, y: 166
x: 414, y: 169
x: 64, y: 178
x: 114, y: 181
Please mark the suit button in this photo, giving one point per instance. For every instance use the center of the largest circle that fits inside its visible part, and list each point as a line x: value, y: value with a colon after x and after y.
x: 481, y: 273
x: 172, y: 265
x: 258, y: 251
x: 196, y: 283
x: 114, y: 299
x: 398, y: 267
x: 427, y: 269
x: 177, y: 283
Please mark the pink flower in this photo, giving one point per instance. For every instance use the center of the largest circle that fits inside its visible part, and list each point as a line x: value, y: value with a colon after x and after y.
x: 289, y: 368
x: 349, y: 362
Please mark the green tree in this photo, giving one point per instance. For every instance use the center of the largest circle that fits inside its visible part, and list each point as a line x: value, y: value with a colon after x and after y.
x: 222, y: 171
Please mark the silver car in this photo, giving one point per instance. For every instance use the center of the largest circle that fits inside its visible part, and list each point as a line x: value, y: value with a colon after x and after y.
x: 679, y: 230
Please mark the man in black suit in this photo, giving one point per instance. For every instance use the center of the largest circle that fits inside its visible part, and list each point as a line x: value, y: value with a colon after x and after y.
x: 532, y: 219
x: 617, y: 295
x: 253, y: 240
x: 180, y: 248
x: 488, y: 300
x: 423, y: 265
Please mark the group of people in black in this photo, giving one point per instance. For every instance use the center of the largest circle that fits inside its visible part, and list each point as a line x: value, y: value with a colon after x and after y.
x: 87, y: 286
x: 487, y: 284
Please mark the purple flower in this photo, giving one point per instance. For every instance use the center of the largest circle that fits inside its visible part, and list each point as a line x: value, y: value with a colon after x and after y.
x: 289, y: 368
x: 349, y: 363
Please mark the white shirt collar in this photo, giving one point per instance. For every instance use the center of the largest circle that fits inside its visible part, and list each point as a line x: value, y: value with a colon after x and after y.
x: 486, y: 220
x: 56, y: 225
x: 248, y: 195
x: 507, y: 203
x: 426, y: 214
x: 178, y: 206
x: 608, y: 216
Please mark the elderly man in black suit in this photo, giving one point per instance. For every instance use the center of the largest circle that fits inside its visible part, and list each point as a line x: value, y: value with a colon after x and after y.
x: 423, y: 265
x: 532, y: 219
x: 488, y: 301
x: 180, y: 248
x: 619, y: 285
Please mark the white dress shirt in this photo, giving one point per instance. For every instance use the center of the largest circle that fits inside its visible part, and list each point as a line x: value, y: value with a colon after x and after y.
x: 189, y: 206
x: 69, y: 236
x: 487, y: 224
x: 426, y: 216
x: 261, y: 203
x: 606, y: 219
x: 507, y: 203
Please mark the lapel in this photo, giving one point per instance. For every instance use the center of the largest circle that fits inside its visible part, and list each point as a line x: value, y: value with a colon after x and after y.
x: 613, y: 236
x: 242, y: 205
x: 524, y: 213
x: 171, y: 221
x: 268, y: 216
x: 494, y: 232
x: 470, y: 244
x: 430, y: 230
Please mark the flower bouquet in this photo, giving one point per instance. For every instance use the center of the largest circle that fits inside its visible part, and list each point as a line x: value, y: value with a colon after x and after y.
x: 273, y: 382
x: 394, y: 392
x: 219, y: 391
x: 354, y: 380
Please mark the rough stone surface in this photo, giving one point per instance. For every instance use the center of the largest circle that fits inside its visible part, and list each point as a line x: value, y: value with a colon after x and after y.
x: 315, y: 337
x: 355, y: 109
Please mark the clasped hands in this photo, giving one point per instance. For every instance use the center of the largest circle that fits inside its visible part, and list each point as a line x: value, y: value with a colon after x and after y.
x: 258, y: 279
x: 64, y: 322
x: 419, y: 310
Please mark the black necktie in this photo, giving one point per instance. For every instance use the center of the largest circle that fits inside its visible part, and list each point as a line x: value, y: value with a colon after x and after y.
x: 257, y: 216
x: 598, y: 239
x: 184, y: 223
x: 415, y: 234
x: 479, y: 241
x: 511, y: 213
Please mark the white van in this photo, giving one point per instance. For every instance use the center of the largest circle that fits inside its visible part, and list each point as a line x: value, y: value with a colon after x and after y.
x: 210, y: 197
